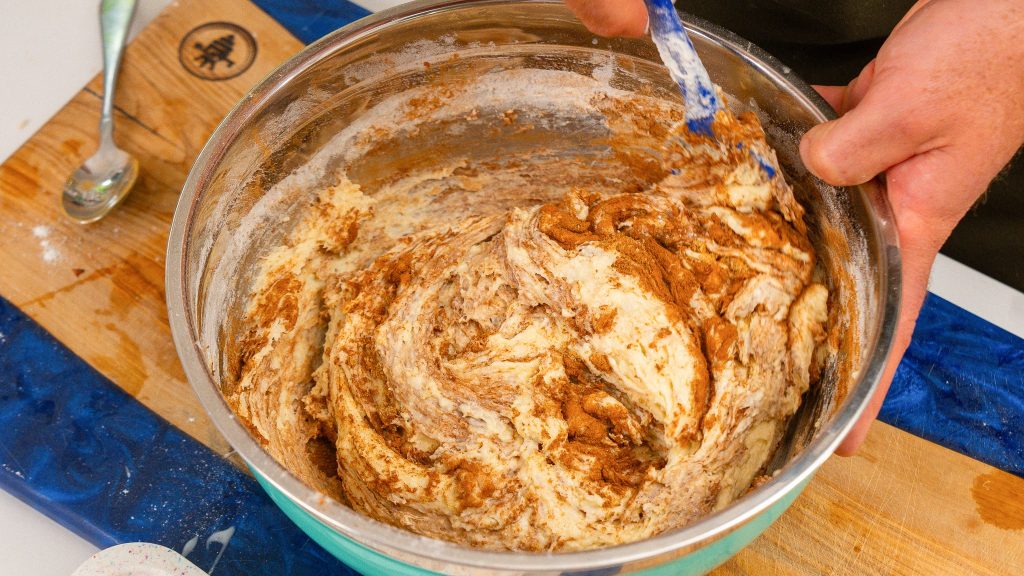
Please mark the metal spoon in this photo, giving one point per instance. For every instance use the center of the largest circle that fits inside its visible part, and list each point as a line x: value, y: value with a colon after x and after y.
x: 106, y: 178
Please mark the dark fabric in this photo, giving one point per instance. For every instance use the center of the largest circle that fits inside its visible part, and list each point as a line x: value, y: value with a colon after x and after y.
x: 803, y: 21
x: 990, y: 238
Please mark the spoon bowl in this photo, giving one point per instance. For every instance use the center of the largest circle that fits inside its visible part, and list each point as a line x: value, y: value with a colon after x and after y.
x: 98, y: 185
x: 106, y: 178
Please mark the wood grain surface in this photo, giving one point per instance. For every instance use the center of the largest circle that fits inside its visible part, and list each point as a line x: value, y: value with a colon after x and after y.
x: 901, y: 506
x: 99, y: 288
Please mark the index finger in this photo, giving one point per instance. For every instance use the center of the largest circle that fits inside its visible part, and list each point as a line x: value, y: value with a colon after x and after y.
x: 611, y: 17
x: 833, y: 95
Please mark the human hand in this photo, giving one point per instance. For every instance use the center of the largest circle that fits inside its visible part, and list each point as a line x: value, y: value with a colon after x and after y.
x: 940, y: 111
x: 611, y: 17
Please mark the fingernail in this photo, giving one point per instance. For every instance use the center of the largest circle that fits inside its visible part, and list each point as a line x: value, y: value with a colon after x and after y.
x: 818, y: 133
x: 811, y: 140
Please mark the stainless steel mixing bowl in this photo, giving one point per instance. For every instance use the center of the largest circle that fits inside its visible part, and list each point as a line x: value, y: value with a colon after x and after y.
x: 293, y: 112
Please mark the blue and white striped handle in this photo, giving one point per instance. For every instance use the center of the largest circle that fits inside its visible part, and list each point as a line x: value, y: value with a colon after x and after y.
x: 684, y: 66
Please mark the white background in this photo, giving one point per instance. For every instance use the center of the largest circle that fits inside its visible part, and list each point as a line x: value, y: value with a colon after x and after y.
x: 50, y: 50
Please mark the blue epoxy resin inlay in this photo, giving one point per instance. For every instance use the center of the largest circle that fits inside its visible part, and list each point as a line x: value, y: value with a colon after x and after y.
x: 961, y: 385
x: 310, y: 20
x: 76, y: 447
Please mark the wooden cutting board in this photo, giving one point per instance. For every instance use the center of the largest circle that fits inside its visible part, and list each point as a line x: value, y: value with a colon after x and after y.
x: 901, y: 506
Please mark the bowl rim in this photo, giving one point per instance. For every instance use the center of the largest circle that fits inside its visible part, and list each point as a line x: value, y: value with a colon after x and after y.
x: 385, y: 538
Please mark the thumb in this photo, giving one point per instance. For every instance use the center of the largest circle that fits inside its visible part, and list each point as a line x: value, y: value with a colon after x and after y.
x: 879, y: 132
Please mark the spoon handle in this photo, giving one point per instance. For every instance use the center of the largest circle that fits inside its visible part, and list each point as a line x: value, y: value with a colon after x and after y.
x: 683, y: 64
x: 115, y: 20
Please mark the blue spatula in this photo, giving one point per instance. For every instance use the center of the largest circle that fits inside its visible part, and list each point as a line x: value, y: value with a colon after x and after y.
x: 684, y: 66
x: 688, y: 71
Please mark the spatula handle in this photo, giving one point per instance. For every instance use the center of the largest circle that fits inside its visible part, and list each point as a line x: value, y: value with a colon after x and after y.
x: 684, y: 65
x: 115, y: 20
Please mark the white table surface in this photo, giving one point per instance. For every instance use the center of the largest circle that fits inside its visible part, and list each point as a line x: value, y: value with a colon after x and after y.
x: 48, y: 73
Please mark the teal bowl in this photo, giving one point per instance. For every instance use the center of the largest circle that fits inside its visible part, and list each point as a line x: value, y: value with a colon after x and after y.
x: 221, y: 228
x: 367, y: 561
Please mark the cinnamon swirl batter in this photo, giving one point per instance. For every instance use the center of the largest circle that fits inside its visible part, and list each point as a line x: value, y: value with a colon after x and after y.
x: 557, y: 373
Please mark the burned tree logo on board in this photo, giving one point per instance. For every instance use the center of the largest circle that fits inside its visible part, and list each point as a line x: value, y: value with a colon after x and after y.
x: 217, y: 51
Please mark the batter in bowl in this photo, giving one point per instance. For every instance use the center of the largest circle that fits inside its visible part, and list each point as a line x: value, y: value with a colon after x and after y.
x: 565, y: 371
